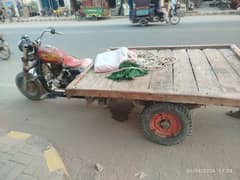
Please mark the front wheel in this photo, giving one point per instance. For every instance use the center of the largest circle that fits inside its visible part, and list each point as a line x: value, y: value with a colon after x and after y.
x: 166, y: 123
x: 29, y: 87
x: 174, y: 19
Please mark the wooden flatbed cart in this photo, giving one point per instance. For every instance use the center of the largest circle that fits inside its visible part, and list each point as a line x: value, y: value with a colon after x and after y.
x: 202, y: 75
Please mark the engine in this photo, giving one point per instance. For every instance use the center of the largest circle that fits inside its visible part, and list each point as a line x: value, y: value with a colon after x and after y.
x: 68, y: 75
x: 58, y: 76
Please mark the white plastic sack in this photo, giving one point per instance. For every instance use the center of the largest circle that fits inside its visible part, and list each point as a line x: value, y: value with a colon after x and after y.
x: 110, y: 61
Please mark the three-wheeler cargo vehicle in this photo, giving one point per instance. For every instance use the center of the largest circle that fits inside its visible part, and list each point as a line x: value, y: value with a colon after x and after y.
x: 202, y: 75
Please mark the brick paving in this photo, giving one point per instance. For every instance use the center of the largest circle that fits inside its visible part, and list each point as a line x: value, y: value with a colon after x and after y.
x: 23, y: 159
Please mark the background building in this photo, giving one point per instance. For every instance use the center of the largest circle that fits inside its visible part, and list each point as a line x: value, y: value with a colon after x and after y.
x: 11, y: 4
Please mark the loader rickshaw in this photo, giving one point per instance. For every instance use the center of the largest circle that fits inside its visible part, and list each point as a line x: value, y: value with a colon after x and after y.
x: 145, y: 11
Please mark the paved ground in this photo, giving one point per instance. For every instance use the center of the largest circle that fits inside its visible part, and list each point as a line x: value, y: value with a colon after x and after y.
x: 27, y: 157
x: 86, y: 135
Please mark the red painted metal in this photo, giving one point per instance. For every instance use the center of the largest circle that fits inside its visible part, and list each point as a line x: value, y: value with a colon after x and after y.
x: 51, y: 54
x: 70, y: 61
x: 165, y: 124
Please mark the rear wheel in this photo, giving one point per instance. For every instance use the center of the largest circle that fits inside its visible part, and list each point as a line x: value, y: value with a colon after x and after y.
x: 166, y: 123
x: 4, y: 50
x: 94, y: 18
x: 29, y: 87
x: 174, y: 19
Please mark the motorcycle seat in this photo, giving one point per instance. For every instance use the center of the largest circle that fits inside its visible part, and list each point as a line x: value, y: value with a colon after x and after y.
x: 71, y: 62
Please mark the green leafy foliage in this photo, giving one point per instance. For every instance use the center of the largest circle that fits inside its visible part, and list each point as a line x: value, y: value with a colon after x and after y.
x: 127, y: 64
x: 128, y: 71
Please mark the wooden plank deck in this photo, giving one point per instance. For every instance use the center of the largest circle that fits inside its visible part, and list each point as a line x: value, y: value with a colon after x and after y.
x: 201, y: 75
x: 162, y: 80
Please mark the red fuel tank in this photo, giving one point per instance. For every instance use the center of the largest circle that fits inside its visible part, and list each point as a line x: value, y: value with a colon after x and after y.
x: 51, y: 54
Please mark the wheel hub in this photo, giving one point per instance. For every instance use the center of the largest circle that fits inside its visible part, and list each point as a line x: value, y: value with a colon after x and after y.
x: 165, y: 124
x: 31, y: 88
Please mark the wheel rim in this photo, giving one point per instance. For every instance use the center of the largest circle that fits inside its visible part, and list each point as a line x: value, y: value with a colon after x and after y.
x: 31, y: 88
x: 143, y: 22
x: 174, y: 19
x: 165, y: 124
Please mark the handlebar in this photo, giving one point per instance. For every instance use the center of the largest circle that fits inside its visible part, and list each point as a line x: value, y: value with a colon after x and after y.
x: 49, y: 30
x: 26, y: 43
x: 59, y: 33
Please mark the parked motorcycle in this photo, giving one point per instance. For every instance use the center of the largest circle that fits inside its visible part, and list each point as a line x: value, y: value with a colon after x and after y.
x: 223, y: 4
x: 47, y: 70
x: 4, y: 49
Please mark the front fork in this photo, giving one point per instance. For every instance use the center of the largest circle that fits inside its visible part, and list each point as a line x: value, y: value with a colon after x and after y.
x: 28, y: 69
x: 34, y: 72
x: 25, y: 68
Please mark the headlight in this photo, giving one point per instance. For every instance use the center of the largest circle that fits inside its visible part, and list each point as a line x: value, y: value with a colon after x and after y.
x: 25, y: 42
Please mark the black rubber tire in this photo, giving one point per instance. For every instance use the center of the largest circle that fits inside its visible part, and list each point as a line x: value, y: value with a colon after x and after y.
x: 175, y: 22
x: 179, y: 110
x: 94, y: 18
x: 19, y: 80
x: 143, y: 22
x: 5, y: 51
